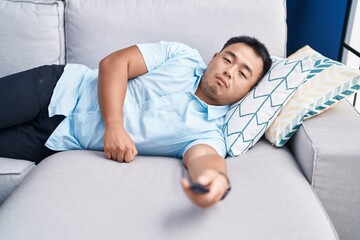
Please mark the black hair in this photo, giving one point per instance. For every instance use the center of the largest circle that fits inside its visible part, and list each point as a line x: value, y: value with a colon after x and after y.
x: 258, y: 47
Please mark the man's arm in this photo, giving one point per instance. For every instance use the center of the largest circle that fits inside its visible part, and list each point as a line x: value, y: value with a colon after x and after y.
x: 208, y: 168
x: 114, y: 72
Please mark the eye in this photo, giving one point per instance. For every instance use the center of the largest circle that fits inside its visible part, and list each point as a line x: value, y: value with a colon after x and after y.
x: 242, y: 74
x: 226, y: 60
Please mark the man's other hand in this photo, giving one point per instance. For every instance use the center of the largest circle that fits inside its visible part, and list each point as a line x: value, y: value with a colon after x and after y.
x: 118, y: 145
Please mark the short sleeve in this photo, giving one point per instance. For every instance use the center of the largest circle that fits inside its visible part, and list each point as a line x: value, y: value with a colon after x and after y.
x: 216, y: 143
x: 155, y: 54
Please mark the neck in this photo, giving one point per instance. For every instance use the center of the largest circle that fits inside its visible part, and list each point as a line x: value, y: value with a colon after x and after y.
x: 199, y: 93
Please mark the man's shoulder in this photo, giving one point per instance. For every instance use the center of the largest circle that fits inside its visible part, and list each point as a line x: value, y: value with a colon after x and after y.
x: 156, y: 54
x: 182, y: 49
x: 170, y: 48
x: 178, y: 45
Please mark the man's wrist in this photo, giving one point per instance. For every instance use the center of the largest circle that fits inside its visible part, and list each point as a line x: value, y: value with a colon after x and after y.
x: 229, y: 185
x: 113, y: 121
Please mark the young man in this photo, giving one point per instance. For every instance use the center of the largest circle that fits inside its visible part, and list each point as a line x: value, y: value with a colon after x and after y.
x: 152, y: 99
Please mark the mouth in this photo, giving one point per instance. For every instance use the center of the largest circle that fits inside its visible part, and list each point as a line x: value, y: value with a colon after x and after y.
x: 222, y: 81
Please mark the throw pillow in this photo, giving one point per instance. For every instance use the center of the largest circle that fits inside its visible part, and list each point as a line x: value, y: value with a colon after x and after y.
x: 247, y: 120
x: 328, y: 83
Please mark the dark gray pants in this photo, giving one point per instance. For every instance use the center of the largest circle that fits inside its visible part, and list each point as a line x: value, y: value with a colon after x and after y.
x: 24, y: 122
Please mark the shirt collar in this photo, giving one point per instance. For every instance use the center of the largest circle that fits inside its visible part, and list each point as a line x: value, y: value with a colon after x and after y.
x: 213, y: 112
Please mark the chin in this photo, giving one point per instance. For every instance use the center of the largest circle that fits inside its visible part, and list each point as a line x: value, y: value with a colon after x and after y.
x: 222, y: 103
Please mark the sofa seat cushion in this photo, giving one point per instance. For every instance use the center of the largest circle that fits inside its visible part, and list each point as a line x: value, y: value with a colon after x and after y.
x: 82, y: 195
x: 12, y: 173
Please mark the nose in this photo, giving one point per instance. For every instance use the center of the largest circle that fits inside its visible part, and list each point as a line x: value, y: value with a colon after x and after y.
x: 227, y: 74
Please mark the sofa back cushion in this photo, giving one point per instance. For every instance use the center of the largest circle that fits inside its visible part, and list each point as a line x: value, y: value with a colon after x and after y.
x: 31, y: 34
x: 96, y: 28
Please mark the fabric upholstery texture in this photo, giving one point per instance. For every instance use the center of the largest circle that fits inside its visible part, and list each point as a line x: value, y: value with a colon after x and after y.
x: 21, y: 49
x: 195, y: 23
x: 333, y: 169
x: 12, y: 173
x: 144, y: 198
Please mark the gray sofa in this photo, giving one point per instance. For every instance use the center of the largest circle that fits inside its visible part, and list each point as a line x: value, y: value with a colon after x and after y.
x: 308, y: 189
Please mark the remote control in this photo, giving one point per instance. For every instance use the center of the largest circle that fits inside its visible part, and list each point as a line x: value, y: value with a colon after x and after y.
x: 198, y: 188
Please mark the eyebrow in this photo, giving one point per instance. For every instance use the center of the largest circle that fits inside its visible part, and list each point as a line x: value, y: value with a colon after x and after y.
x: 243, y: 64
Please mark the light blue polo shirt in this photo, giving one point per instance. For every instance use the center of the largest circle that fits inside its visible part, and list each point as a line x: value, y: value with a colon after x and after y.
x: 161, y: 113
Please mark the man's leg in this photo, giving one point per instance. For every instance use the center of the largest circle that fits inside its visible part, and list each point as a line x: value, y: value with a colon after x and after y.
x: 24, y: 122
x: 23, y: 95
x: 26, y: 141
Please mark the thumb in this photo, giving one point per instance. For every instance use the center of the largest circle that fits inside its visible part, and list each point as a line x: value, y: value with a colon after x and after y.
x: 206, y: 178
x: 186, y: 186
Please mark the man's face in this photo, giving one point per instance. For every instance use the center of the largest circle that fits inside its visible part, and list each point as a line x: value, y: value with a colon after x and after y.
x: 230, y: 75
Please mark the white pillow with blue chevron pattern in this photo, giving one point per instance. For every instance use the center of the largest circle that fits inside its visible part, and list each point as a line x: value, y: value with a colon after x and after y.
x: 247, y: 120
x: 328, y: 83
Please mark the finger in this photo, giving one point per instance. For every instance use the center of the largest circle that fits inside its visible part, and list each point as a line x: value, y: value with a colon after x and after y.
x: 214, y: 183
x: 218, y: 189
x: 206, y: 178
x: 186, y: 187
x: 185, y: 184
x: 129, y: 156
x: 135, y: 152
x: 120, y: 157
x: 201, y: 200
x: 107, y: 155
x: 219, y: 186
x: 113, y: 156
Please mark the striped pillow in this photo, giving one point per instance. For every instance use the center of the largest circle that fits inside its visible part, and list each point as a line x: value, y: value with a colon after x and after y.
x: 328, y: 83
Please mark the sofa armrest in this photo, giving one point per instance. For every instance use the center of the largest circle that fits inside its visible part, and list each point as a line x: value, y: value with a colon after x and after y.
x: 12, y: 173
x: 327, y: 148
